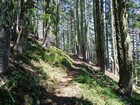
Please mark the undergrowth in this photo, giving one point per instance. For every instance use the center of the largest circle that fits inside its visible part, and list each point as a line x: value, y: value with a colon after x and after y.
x: 33, y: 76
x: 30, y: 76
x: 99, y: 89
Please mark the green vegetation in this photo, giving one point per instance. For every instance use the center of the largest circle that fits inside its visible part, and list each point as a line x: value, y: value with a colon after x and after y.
x: 65, y: 52
x: 34, y: 75
x: 58, y: 58
x: 99, y: 89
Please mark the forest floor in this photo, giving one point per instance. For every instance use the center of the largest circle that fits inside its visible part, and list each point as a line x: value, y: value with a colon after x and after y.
x: 51, y: 77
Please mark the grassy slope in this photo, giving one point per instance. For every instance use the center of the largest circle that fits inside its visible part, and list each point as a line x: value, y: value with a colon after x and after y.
x: 34, y: 75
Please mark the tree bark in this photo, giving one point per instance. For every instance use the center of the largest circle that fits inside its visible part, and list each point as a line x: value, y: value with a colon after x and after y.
x: 4, y: 48
x: 78, y: 30
x: 82, y: 28
x: 113, y: 39
x: 85, y: 41
x: 22, y: 40
x: 57, y: 24
x: 124, y: 48
x: 99, y: 34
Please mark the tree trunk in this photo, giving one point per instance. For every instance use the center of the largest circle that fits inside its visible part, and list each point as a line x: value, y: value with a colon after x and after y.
x: 113, y: 39
x: 85, y: 39
x: 46, y: 25
x: 124, y: 48
x: 46, y: 40
x: 99, y: 34
x: 37, y: 21
x: 82, y: 28
x: 21, y: 42
x: 102, y: 37
x: 78, y: 30
x: 107, y: 47
x: 57, y: 24
x: 4, y: 48
x: 63, y: 35
x: 106, y: 36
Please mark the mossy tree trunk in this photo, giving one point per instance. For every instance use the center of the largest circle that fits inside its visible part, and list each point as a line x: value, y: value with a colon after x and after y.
x: 25, y: 22
x: 47, y: 25
x: 124, y: 48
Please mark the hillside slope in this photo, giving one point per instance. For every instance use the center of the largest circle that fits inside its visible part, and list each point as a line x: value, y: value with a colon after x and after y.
x: 51, y: 77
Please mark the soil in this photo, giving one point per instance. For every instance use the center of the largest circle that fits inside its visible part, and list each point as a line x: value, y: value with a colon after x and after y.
x: 65, y: 92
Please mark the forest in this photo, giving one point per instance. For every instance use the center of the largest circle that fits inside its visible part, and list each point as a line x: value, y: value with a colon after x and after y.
x: 69, y: 52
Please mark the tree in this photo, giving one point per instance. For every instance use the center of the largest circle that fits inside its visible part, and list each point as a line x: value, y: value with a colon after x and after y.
x: 57, y: 37
x: 113, y: 38
x: 77, y: 28
x: 99, y: 34
x: 46, y: 23
x: 24, y: 19
x: 6, y: 21
x: 123, y: 45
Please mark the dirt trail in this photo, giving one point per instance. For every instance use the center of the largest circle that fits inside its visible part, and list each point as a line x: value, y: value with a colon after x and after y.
x: 78, y: 61
x: 65, y: 91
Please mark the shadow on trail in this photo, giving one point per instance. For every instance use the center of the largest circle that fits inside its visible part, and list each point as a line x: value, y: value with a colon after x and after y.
x: 27, y: 84
x: 24, y: 87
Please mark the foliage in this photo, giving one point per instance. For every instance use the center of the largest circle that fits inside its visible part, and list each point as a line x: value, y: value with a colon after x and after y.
x: 6, y: 12
x: 131, y: 4
x: 26, y: 78
x: 34, y: 75
x: 45, y: 16
x: 58, y: 58
x: 100, y: 89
